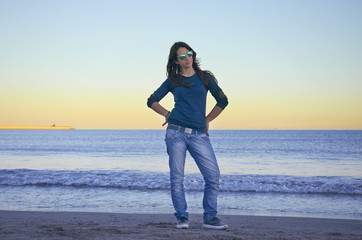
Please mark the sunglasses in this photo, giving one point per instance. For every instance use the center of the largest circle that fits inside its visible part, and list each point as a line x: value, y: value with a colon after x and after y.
x: 183, y: 56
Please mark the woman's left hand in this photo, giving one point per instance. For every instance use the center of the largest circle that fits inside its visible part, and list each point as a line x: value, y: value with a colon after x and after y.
x: 207, y: 128
x: 211, y: 116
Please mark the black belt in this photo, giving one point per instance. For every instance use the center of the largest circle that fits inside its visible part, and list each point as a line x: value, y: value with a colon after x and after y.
x: 182, y: 129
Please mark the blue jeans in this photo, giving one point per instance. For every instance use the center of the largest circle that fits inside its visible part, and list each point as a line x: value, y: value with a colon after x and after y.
x: 200, y: 148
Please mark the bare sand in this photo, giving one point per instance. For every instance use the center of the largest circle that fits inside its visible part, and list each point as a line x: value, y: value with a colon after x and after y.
x: 74, y: 225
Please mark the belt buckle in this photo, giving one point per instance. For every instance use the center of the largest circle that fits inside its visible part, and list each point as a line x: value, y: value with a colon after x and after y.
x: 188, y: 130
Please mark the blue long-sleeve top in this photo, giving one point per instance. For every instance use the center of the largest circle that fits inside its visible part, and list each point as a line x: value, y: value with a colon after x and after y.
x: 190, y: 102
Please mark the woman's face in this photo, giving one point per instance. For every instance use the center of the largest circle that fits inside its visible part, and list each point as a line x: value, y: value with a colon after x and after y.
x: 184, y: 58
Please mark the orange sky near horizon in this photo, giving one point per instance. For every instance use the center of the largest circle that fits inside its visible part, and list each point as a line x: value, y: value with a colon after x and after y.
x: 282, y: 64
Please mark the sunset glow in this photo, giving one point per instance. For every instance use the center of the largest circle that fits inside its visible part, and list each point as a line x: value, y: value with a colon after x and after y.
x: 93, y: 64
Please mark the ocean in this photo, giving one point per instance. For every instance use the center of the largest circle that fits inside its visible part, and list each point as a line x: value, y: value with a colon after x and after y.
x: 303, y: 173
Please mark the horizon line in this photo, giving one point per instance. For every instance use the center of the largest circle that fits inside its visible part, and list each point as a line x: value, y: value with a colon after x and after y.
x: 53, y: 127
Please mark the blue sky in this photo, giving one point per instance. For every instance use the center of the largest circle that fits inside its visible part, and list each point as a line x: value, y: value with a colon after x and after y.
x: 92, y: 64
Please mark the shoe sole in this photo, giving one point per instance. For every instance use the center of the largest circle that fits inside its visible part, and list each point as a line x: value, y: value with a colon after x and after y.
x: 182, y: 226
x: 224, y: 227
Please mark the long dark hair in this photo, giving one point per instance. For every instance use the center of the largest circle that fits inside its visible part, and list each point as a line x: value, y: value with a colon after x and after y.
x: 174, y: 70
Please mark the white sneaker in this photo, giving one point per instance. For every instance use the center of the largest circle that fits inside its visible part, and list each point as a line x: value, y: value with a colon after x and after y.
x: 215, y: 223
x: 182, y: 223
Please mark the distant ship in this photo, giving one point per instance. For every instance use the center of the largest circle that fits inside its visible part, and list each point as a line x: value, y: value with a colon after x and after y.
x: 52, y: 127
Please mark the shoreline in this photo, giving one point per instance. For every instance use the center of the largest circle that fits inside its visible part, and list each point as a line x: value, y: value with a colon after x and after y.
x: 92, y: 225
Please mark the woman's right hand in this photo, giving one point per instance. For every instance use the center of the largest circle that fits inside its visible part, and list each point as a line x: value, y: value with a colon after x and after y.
x: 161, y: 110
x: 166, y: 118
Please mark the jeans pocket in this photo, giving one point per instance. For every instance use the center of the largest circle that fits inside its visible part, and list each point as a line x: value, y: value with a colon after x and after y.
x: 204, y: 137
x: 170, y: 135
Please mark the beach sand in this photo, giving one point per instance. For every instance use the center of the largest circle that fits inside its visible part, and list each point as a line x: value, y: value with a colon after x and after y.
x: 74, y: 225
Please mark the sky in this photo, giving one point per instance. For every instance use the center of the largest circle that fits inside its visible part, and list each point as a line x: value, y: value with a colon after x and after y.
x: 93, y: 64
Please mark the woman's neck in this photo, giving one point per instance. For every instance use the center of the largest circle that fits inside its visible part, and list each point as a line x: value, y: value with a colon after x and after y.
x: 188, y: 72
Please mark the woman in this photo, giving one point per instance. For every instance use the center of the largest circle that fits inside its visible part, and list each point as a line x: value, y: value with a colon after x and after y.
x: 188, y: 129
